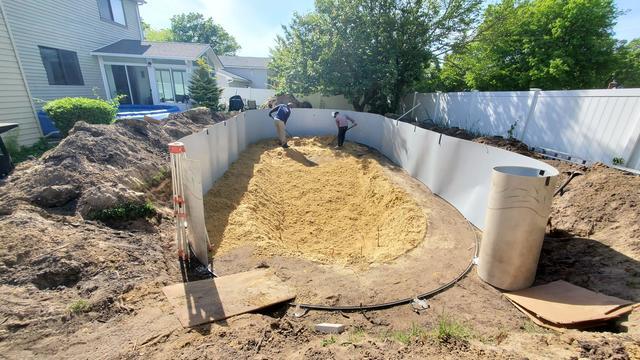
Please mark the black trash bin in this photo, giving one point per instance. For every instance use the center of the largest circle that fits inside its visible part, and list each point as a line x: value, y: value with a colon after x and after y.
x: 236, y: 103
x: 5, y: 159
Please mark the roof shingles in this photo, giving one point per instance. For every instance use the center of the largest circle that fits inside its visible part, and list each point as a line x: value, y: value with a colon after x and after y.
x: 176, y: 50
x: 244, y: 61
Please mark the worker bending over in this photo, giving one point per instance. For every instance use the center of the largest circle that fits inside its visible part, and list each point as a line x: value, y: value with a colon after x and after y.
x: 280, y: 121
x: 342, y: 122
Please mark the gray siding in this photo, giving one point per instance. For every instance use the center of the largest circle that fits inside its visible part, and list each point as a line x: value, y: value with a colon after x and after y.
x: 258, y: 77
x: 15, y: 106
x: 73, y: 25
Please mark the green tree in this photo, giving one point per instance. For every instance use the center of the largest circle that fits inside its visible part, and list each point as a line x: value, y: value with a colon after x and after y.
x: 627, y: 70
x: 151, y: 34
x: 371, y: 51
x: 193, y: 27
x: 203, y: 87
x: 548, y: 44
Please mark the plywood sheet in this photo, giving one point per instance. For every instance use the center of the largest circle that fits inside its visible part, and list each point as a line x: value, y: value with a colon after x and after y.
x: 562, y: 303
x: 204, y: 301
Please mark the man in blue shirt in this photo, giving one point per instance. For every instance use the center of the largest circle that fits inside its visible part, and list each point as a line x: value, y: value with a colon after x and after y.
x: 280, y: 121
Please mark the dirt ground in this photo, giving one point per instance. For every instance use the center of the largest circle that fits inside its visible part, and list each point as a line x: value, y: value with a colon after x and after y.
x: 52, y: 259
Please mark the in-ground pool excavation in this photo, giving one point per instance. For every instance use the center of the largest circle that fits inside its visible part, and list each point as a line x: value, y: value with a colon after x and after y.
x: 335, y: 223
x: 314, y: 202
x: 394, y: 215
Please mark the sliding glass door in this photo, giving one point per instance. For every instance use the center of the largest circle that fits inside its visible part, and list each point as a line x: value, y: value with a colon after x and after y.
x: 129, y: 82
x: 172, y: 85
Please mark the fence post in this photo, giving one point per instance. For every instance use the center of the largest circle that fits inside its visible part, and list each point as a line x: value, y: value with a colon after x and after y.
x: 436, y: 111
x: 413, y: 105
x: 530, y: 113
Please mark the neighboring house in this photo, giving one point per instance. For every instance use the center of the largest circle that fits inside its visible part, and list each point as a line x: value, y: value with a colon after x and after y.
x: 56, y: 48
x: 243, y: 71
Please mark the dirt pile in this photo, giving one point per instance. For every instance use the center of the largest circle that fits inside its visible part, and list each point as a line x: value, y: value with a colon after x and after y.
x: 314, y: 202
x: 604, y: 202
x: 52, y: 257
x: 99, y: 166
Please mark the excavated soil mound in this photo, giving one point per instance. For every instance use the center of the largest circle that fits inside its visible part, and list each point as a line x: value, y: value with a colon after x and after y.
x: 315, y: 202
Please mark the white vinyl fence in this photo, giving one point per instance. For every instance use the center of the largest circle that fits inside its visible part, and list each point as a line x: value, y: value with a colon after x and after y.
x: 596, y: 125
x: 259, y: 95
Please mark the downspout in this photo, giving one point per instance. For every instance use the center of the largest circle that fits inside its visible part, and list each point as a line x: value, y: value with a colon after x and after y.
x: 22, y: 76
x: 103, y: 73
x: 139, y: 22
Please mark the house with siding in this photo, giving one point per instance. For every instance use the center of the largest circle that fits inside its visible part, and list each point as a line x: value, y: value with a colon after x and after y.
x: 243, y: 72
x: 57, y: 48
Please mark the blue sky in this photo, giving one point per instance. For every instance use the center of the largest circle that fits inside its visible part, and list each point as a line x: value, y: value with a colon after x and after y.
x: 255, y: 23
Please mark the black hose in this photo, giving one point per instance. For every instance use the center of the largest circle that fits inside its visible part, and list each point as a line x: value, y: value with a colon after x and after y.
x: 386, y: 305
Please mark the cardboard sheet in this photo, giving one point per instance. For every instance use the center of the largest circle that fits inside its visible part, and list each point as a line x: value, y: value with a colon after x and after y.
x: 204, y: 301
x: 562, y: 304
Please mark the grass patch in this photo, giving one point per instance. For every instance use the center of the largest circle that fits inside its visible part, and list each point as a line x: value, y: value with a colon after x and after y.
x: 79, y: 306
x: 449, y: 330
x: 24, y: 153
x: 415, y: 332
x: 357, y: 335
x: 158, y: 177
x: 127, y: 211
x: 328, y: 341
x: 530, y: 327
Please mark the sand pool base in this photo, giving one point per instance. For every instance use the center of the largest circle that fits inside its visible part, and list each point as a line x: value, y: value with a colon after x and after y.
x: 342, y: 225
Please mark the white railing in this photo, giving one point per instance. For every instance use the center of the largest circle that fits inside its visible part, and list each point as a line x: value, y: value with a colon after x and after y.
x: 597, y: 125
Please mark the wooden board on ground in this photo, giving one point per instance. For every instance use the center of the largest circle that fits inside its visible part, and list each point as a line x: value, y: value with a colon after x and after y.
x: 561, y: 304
x: 204, y: 301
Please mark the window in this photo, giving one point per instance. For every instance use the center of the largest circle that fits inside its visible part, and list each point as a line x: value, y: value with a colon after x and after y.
x: 62, y: 66
x: 165, y: 90
x: 112, y: 10
x: 172, y: 85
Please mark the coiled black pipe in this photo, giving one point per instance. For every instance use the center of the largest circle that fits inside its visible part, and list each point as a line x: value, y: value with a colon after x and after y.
x: 389, y: 304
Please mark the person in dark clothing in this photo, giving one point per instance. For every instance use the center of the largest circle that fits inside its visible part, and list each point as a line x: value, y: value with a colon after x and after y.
x: 280, y: 121
x: 342, y: 122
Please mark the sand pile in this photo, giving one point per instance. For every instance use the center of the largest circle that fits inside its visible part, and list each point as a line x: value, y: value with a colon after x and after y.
x: 315, y: 202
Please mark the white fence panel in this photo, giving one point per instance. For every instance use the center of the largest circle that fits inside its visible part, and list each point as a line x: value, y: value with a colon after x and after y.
x: 259, y: 95
x: 485, y: 112
x: 596, y: 125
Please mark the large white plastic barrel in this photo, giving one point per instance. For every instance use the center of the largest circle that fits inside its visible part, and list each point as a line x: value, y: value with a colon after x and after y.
x: 517, y: 214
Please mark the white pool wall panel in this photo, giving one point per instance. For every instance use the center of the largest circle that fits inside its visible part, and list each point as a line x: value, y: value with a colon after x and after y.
x: 457, y: 170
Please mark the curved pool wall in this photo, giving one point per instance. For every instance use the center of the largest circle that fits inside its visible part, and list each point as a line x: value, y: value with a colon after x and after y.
x: 457, y: 170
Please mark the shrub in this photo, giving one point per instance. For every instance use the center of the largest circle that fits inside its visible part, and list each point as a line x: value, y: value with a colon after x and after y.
x: 128, y: 211
x: 65, y: 112
x: 24, y: 153
x: 618, y: 161
x: 79, y: 306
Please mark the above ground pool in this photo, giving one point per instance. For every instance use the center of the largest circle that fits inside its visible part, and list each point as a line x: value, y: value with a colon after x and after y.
x: 157, y: 112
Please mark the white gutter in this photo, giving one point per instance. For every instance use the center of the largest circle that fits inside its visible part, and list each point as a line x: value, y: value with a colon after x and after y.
x: 142, y: 56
